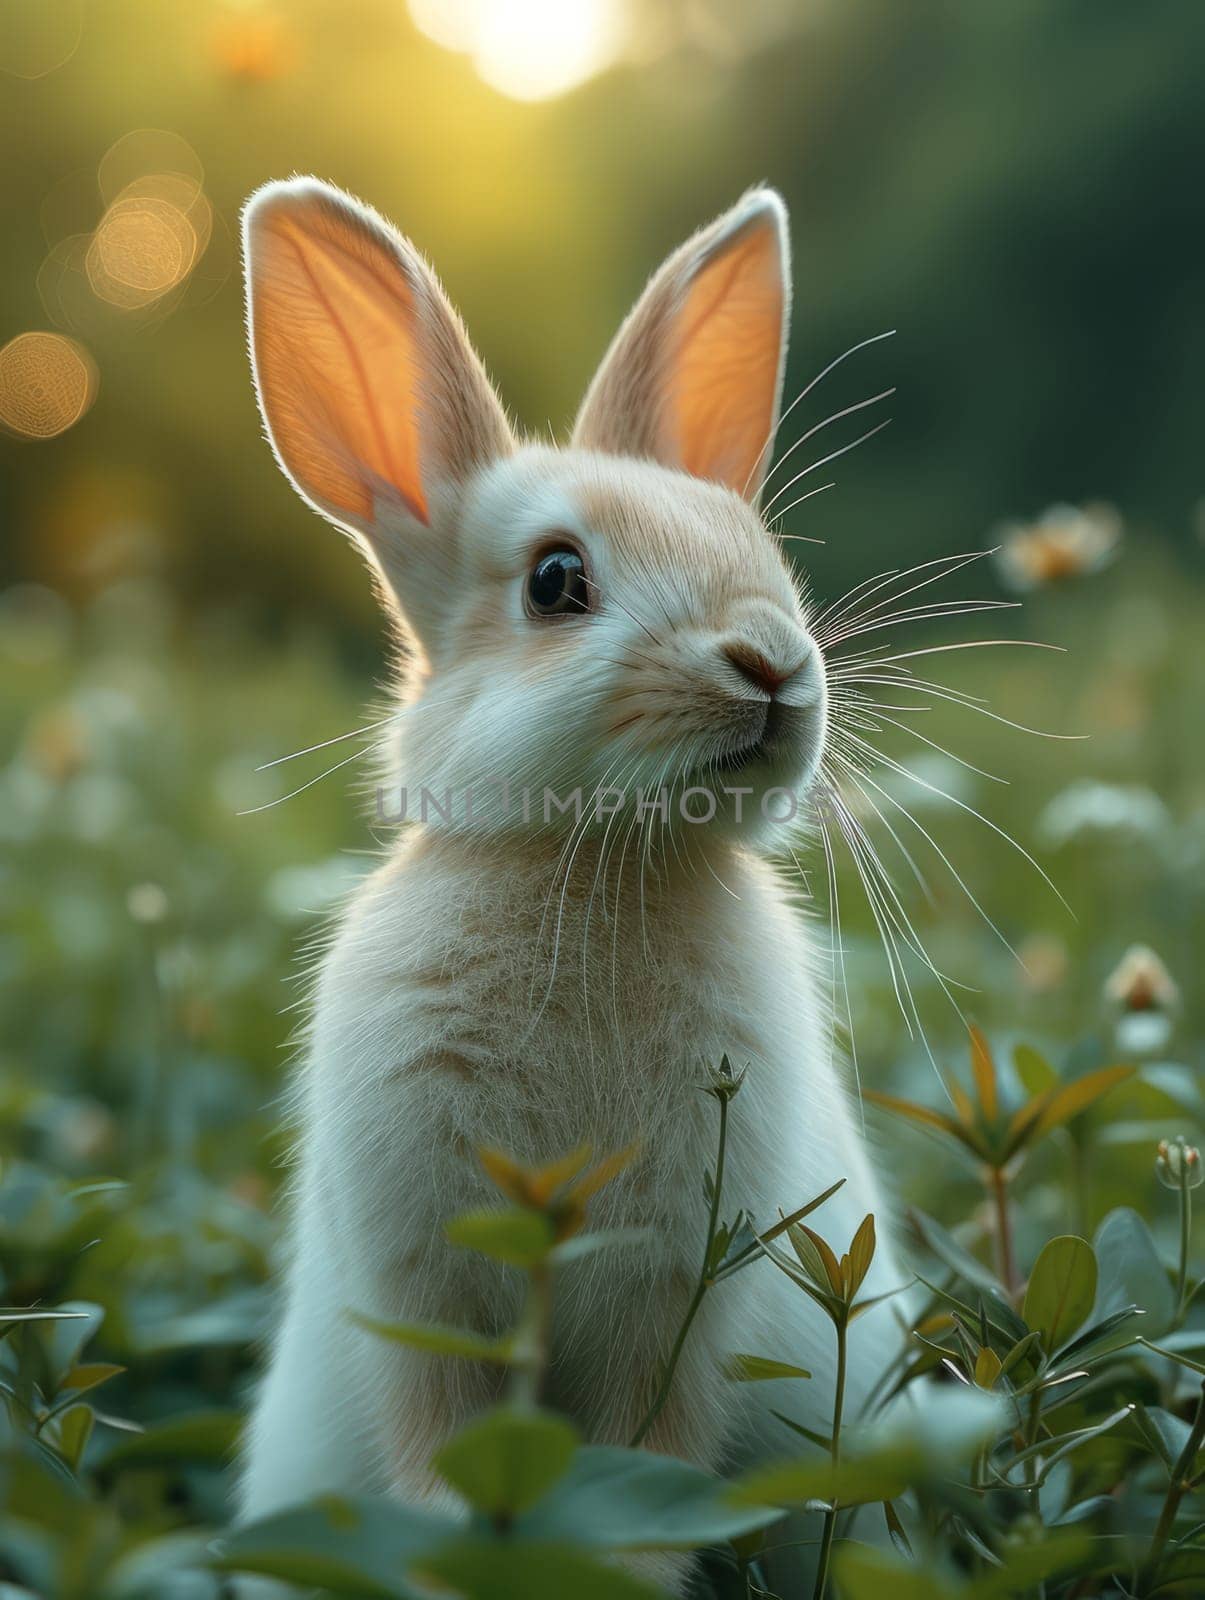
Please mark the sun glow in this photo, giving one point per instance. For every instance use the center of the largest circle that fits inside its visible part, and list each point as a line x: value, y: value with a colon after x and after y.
x: 528, y: 49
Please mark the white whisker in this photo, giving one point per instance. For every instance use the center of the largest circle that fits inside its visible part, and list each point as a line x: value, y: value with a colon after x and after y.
x: 325, y: 744
x: 940, y: 748
x: 941, y: 691
x: 823, y: 462
x: 802, y: 395
x: 848, y: 411
x: 905, y: 772
x: 948, y: 564
x: 301, y: 788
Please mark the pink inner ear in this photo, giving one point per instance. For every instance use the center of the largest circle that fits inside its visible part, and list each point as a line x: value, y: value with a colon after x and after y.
x: 334, y: 329
x: 724, y: 372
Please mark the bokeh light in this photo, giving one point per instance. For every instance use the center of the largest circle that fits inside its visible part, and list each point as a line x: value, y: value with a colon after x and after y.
x: 529, y: 49
x: 144, y: 245
x: 47, y: 383
x: 36, y: 36
x: 154, y: 231
x: 254, y: 46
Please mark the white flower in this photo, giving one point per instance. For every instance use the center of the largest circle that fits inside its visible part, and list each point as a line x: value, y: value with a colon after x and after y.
x: 147, y: 903
x: 1064, y: 542
x: 1089, y: 805
x: 1142, y: 991
x: 1141, y: 982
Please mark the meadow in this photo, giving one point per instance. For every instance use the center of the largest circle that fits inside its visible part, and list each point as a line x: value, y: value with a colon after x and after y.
x: 156, y: 933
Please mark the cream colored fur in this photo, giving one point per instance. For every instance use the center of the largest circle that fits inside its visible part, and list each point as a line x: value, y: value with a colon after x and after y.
x: 534, y: 986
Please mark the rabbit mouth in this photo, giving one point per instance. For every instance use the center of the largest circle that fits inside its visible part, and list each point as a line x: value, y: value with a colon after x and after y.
x: 762, y: 745
x: 742, y: 756
x: 778, y: 740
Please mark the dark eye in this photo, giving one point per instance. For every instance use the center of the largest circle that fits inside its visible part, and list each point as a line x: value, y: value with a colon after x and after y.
x: 558, y: 585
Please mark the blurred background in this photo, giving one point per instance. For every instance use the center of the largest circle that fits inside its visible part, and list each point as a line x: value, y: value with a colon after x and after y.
x: 1014, y: 186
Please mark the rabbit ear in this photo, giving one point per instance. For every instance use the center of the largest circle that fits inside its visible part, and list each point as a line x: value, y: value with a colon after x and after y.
x: 369, y: 388
x: 694, y: 377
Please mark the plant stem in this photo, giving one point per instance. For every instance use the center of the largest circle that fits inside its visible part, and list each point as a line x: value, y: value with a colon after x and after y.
x: 701, y: 1288
x: 1031, y: 1438
x: 1185, y: 1230
x: 530, y: 1357
x: 830, y: 1516
x: 1176, y: 1490
x: 1004, y: 1232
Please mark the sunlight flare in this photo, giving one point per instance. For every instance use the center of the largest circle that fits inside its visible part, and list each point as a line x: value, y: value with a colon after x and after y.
x: 528, y: 49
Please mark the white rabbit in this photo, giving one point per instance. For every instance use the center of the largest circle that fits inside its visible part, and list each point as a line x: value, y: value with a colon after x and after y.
x: 612, y: 616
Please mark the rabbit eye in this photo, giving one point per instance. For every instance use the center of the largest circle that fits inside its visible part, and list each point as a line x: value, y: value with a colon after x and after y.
x: 557, y: 585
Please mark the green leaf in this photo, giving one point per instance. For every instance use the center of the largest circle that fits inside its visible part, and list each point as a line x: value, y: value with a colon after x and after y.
x: 829, y: 1274
x: 585, y: 1244
x: 863, y: 1573
x: 506, y: 1460
x: 11, y: 1315
x: 857, y: 1480
x: 1002, y: 1320
x: 1165, y: 1434
x: 987, y: 1368
x: 1018, y: 1353
x: 896, y: 1529
x: 1179, y: 1084
x: 862, y: 1306
x: 746, y: 1245
x: 950, y: 1253
x: 1061, y: 1291
x: 75, y: 1429
x: 1073, y: 1098
x: 1093, y: 1506
x: 90, y: 1376
x: 861, y: 1255
x: 439, y: 1340
x: 832, y: 1306
x: 753, y: 1369
x: 492, y: 1570
x: 516, y: 1236
x: 619, y: 1499
x: 1103, y: 1337
x: 1131, y: 1272
x: 162, y: 1566
x: 804, y: 1210
x: 1028, y: 1564
x: 911, y: 1447
x: 824, y: 1440
x: 1052, y: 1451
x: 1036, y: 1075
x: 925, y: 1117
x: 983, y: 1070
x: 354, y: 1547
x: 197, y: 1436
x: 64, y: 1338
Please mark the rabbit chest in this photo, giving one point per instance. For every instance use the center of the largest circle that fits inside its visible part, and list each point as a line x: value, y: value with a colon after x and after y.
x: 474, y: 999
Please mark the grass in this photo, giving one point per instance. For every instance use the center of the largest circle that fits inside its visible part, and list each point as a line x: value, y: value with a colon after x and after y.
x: 150, y: 947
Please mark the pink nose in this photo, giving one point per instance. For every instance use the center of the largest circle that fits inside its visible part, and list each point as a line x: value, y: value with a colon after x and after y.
x: 754, y: 666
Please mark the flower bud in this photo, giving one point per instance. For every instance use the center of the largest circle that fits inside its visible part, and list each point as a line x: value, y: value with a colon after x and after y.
x: 1177, y: 1161
x: 722, y: 1082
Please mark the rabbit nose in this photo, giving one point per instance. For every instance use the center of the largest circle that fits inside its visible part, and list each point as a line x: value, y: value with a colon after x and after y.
x: 755, y: 666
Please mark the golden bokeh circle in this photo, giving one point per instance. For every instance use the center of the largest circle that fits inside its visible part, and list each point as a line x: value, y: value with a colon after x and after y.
x: 149, y: 239
x: 142, y: 151
x: 142, y: 247
x: 47, y: 383
x: 37, y: 36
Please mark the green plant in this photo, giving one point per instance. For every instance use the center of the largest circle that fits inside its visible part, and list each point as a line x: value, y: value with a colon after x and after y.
x: 1000, y: 1135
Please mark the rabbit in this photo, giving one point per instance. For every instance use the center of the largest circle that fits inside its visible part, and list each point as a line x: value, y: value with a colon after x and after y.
x: 614, y: 616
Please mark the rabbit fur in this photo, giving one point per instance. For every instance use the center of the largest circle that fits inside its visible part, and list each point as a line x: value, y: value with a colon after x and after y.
x: 536, y: 983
